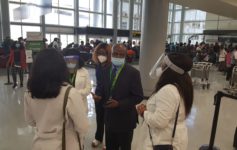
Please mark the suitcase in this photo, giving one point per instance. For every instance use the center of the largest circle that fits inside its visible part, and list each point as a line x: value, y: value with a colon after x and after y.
x: 235, y: 138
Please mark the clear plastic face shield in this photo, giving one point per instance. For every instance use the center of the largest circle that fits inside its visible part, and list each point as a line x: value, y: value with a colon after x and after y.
x: 161, y: 65
x: 71, y: 61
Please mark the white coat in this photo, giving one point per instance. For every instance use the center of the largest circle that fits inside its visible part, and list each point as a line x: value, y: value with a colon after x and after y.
x: 46, y: 115
x: 160, y: 116
x: 83, y: 85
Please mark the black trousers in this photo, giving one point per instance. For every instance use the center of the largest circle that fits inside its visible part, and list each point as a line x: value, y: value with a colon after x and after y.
x: 118, y: 140
x: 14, y: 72
x: 99, y: 109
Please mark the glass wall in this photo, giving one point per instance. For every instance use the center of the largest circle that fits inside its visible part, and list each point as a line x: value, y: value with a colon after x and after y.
x: 185, y: 23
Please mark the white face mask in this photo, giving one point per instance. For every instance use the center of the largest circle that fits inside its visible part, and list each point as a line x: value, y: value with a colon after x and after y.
x: 102, y: 58
x: 118, y: 61
x: 71, y: 66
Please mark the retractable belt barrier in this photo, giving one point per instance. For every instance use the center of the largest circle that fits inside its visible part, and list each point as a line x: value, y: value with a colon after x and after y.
x: 217, y: 102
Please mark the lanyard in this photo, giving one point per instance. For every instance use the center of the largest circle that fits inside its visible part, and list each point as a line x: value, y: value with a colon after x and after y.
x: 115, y: 78
x: 71, y: 79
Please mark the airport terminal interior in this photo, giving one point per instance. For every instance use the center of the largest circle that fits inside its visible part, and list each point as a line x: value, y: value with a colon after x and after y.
x: 203, y: 30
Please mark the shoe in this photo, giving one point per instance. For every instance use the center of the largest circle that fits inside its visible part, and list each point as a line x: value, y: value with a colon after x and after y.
x: 95, y: 143
x: 14, y: 86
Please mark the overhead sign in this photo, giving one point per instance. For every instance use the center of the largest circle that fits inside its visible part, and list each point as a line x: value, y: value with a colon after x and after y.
x: 34, y: 36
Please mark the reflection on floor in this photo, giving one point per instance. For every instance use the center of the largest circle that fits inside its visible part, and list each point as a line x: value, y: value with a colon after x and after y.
x: 16, y: 135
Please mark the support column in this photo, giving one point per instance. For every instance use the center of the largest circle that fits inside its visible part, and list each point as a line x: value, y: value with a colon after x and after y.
x: 182, y: 24
x: 5, y: 19
x: 43, y: 27
x: 76, y: 22
x: 1, y: 38
x: 115, y: 21
x: 131, y: 11
x: 154, y: 33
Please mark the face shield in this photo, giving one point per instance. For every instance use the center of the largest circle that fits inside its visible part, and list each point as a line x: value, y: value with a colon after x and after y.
x: 71, y: 61
x: 161, y: 65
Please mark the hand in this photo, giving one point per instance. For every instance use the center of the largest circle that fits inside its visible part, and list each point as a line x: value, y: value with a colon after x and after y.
x: 96, y: 97
x: 140, y: 109
x: 112, y: 104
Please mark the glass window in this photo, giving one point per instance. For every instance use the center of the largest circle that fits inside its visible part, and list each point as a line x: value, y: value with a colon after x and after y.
x: 15, y: 31
x: 125, y: 23
x: 66, y: 17
x: 177, y: 16
x: 26, y: 29
x: 169, y: 28
x: 14, y: 0
x: 176, y: 28
x: 109, y: 6
x: 83, y: 19
x: 175, y: 38
x: 194, y: 27
x: 136, y: 24
x: 96, y: 20
x: 96, y: 5
x: 55, y: 3
x: 70, y: 38
x: 48, y: 38
x: 52, y: 18
x: 84, y: 5
x: 178, y: 7
x: 63, y: 38
x: 11, y: 8
x: 171, y: 6
x: 201, y: 15
x: 109, y: 21
x: 66, y: 3
x: 170, y: 16
x: 190, y: 15
x: 125, y: 9
x: 82, y: 38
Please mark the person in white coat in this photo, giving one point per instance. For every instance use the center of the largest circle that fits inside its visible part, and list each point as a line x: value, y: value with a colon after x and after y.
x: 44, y: 101
x: 173, y: 97
x: 79, y: 76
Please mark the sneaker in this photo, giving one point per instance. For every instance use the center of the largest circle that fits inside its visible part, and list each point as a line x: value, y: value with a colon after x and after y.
x: 14, y: 86
x: 95, y: 143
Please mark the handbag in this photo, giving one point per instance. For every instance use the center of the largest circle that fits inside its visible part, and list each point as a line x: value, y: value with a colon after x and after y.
x: 64, y: 122
x: 165, y: 146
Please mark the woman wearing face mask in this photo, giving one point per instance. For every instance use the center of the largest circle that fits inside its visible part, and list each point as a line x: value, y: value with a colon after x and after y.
x: 171, y: 100
x: 79, y: 76
x: 17, y: 61
x: 102, y: 58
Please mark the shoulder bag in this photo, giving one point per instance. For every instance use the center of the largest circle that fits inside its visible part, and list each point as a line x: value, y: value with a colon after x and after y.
x: 166, y: 146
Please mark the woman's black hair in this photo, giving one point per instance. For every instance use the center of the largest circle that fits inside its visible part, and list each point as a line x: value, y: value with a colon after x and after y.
x: 74, y: 52
x: 183, y: 82
x: 48, y: 74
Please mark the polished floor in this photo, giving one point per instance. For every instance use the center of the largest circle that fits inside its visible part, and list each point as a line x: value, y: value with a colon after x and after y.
x: 15, y: 134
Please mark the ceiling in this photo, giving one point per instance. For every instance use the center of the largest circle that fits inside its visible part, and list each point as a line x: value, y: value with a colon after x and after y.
x: 227, y: 8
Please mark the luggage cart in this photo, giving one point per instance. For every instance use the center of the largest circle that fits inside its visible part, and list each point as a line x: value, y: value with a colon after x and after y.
x: 201, y: 70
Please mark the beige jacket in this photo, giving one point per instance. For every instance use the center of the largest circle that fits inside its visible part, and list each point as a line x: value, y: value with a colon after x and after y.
x: 160, y: 116
x: 46, y: 115
x: 83, y: 85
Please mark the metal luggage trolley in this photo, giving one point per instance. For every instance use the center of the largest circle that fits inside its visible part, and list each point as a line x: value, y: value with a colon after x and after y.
x: 233, y: 80
x: 201, y: 70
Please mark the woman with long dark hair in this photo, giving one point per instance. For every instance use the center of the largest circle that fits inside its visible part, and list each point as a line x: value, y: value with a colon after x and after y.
x: 56, y: 121
x: 172, y: 100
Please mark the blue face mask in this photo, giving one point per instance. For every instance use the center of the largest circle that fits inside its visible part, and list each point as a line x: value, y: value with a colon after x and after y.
x: 118, y: 61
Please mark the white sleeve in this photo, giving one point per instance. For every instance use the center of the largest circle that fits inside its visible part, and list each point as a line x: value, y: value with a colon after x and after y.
x: 77, y: 112
x: 166, y: 103
x: 86, y: 91
x: 27, y: 113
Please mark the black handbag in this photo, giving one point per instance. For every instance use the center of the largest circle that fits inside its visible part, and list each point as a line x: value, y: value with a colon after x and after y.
x: 64, y: 122
x: 166, y: 146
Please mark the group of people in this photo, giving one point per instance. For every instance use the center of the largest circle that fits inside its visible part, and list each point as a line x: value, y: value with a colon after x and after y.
x: 56, y: 100
x: 224, y: 56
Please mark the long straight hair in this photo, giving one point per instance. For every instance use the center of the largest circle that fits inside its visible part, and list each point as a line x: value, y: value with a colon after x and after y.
x: 182, y: 82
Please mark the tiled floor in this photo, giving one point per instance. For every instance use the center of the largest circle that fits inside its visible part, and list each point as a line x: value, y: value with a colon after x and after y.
x: 16, y: 135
